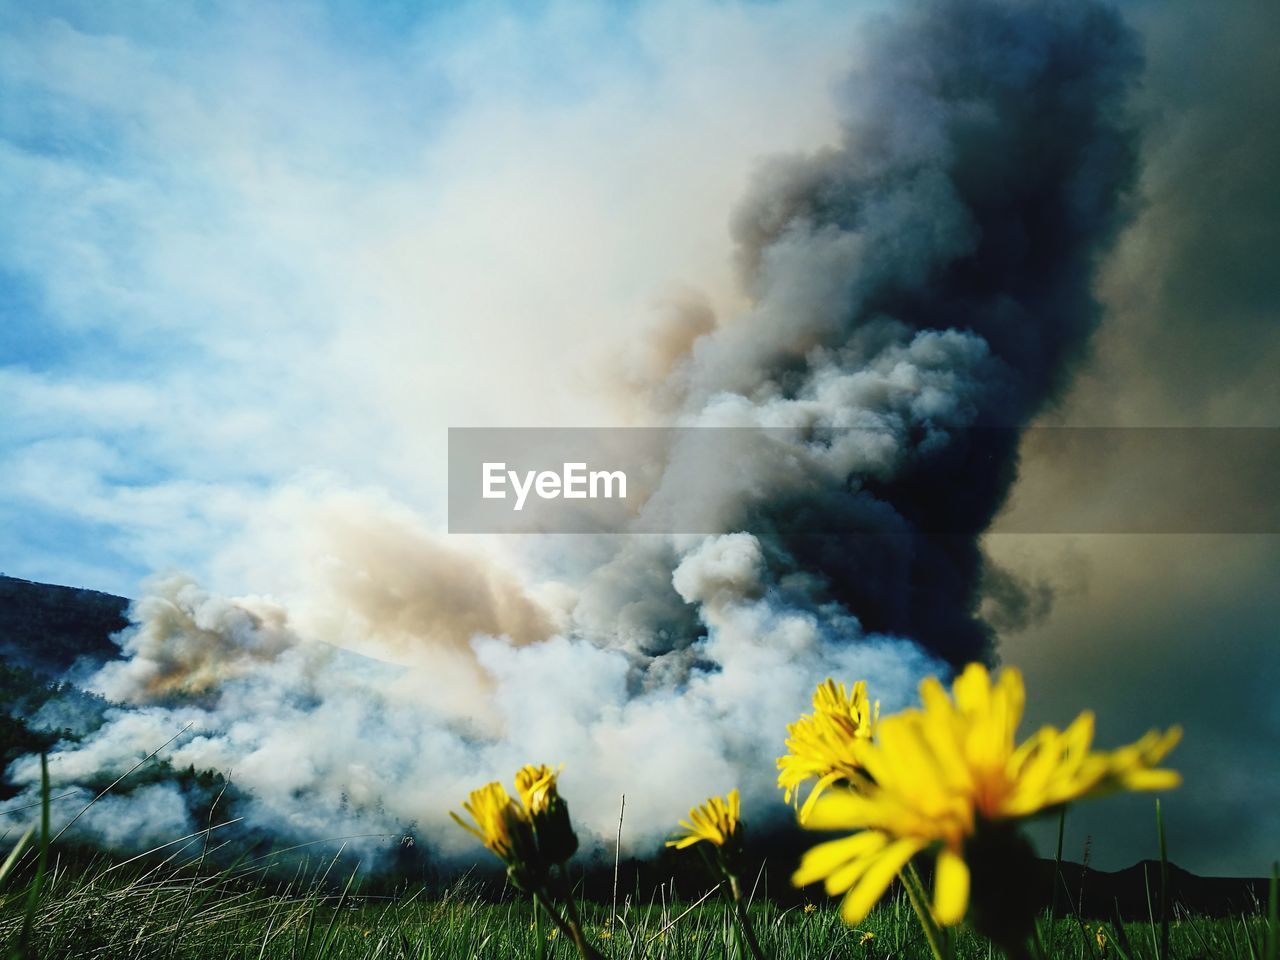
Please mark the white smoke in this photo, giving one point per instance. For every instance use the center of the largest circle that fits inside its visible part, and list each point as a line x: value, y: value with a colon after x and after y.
x: 325, y: 743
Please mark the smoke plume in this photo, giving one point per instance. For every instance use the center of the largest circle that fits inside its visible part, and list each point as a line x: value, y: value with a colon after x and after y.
x: 926, y: 278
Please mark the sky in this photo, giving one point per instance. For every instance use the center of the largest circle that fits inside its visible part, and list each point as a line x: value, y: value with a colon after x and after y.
x: 263, y: 248
x: 257, y: 258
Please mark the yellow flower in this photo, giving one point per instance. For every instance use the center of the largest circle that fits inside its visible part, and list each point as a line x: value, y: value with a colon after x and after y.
x: 530, y: 835
x: 810, y: 907
x: 828, y: 743
x: 867, y: 937
x: 501, y: 824
x: 536, y: 786
x: 941, y: 774
x: 717, y: 822
x: 1101, y: 937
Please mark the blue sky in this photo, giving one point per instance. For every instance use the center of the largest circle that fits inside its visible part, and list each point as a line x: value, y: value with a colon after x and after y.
x: 251, y: 243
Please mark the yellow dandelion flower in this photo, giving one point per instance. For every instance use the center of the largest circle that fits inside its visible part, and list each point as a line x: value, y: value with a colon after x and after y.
x: 536, y: 786
x: 810, y: 907
x: 945, y: 776
x: 500, y: 823
x: 867, y: 937
x: 718, y: 822
x: 827, y: 744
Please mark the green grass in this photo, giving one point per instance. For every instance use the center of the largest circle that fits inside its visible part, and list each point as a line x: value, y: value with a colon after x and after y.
x: 169, y: 903
x: 163, y: 910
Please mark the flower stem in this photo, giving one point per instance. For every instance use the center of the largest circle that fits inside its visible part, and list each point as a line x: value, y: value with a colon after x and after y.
x: 537, y: 929
x: 744, y: 921
x: 915, y: 893
x: 544, y: 900
x: 573, y: 922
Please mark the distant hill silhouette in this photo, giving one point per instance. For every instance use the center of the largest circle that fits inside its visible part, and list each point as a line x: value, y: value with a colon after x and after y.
x: 1082, y: 891
x: 1100, y: 893
x: 46, y: 628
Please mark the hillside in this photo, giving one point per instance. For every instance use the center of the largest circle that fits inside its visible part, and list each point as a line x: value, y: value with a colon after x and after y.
x: 47, y: 628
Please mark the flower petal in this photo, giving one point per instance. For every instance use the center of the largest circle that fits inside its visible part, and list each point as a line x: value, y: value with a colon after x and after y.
x: 818, y: 789
x: 972, y: 690
x: 824, y: 859
x: 873, y: 883
x: 1151, y: 780
x: 950, y: 888
x: 839, y: 810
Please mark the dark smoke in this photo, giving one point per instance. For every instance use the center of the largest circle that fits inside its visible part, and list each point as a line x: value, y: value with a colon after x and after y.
x: 982, y: 172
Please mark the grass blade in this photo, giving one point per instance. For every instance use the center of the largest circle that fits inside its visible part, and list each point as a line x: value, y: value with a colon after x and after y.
x: 22, y: 949
x: 1271, y: 938
x: 1164, y: 885
x: 7, y: 867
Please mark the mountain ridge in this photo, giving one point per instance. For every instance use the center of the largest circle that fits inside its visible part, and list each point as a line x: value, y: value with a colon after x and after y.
x: 48, y: 628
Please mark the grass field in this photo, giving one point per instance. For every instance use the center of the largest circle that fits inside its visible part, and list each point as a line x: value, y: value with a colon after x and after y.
x: 162, y: 910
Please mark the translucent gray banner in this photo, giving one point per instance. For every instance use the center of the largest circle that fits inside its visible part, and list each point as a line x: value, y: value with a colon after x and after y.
x: 865, y: 480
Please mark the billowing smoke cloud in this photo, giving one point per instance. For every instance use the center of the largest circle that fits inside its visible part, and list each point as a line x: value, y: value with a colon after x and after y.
x: 325, y: 743
x: 187, y: 642
x: 927, y: 277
